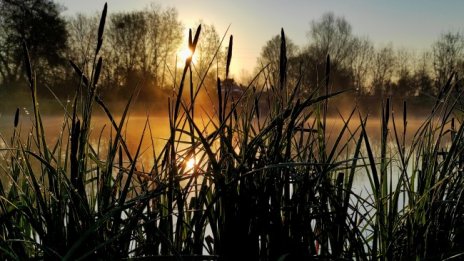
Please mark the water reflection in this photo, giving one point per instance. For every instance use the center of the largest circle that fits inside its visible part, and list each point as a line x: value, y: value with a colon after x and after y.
x: 156, y: 135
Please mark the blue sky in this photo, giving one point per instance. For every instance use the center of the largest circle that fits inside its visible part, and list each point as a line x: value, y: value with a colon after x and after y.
x: 413, y: 24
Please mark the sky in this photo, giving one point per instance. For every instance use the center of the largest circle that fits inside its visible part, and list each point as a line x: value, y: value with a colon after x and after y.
x: 412, y: 24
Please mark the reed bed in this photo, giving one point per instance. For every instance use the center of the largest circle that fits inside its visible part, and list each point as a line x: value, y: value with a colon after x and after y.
x: 262, y: 186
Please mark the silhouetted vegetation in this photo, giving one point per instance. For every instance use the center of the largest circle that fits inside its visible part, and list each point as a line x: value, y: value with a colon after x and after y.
x: 371, y: 73
x: 278, y: 185
x: 141, y: 49
x: 38, y: 24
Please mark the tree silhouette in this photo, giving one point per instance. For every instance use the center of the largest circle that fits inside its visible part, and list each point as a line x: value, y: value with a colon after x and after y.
x: 39, y: 25
x: 383, y: 66
x: 360, y: 63
x: 140, y: 47
x: 448, y: 54
x: 332, y: 35
x: 270, y: 57
x: 209, y: 51
x: 82, y: 30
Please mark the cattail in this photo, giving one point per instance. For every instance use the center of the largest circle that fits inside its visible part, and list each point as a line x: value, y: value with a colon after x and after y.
x: 229, y: 55
x: 283, y: 59
x: 79, y: 73
x: 101, y: 28
x: 16, y: 118
x: 28, y: 64
x: 97, y: 71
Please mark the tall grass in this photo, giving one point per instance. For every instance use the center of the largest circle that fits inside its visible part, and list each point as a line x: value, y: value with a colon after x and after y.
x: 263, y: 186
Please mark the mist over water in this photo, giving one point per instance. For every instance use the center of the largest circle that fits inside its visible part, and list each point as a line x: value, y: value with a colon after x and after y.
x: 157, y: 131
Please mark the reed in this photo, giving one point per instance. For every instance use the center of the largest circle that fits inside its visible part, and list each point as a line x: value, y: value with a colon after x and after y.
x: 263, y: 186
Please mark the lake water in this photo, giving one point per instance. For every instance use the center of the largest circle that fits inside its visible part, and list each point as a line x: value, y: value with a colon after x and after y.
x: 158, y: 131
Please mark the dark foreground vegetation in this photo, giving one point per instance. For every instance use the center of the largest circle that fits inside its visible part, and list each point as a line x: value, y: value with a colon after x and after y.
x: 263, y: 186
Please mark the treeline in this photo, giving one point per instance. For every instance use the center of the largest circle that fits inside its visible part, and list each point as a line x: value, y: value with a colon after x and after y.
x: 140, y: 50
x: 141, y: 47
x: 356, y: 64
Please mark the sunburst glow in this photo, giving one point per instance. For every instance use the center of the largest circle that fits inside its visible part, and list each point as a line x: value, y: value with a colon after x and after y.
x: 184, y: 54
x: 190, y: 164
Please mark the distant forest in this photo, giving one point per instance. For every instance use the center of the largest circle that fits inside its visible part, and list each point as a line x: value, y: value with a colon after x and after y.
x: 140, y: 49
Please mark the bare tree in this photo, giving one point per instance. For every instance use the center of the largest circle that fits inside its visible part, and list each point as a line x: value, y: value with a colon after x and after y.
x: 382, y: 70
x: 405, y: 82
x: 127, y: 37
x: 270, y: 57
x: 140, y: 44
x: 332, y: 35
x: 164, y: 38
x: 448, y: 54
x: 209, y: 51
x: 360, y: 62
x: 422, y: 75
x: 82, y: 30
x: 140, y: 47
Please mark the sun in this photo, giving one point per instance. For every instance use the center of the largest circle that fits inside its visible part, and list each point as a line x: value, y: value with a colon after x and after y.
x: 190, y: 164
x: 183, y: 55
